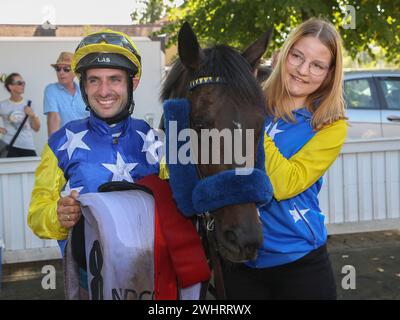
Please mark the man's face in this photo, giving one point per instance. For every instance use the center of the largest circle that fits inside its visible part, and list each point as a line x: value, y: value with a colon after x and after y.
x: 65, y: 76
x: 107, y: 91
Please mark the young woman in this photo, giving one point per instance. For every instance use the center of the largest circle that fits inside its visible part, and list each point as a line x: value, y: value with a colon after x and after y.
x: 13, y: 111
x: 303, y: 136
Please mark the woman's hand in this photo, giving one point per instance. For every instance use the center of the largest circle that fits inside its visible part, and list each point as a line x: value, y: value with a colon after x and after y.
x: 3, y: 130
x: 29, y: 112
x: 34, y: 119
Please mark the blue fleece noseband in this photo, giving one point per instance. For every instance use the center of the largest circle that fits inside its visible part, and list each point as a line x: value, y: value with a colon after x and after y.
x: 195, y: 196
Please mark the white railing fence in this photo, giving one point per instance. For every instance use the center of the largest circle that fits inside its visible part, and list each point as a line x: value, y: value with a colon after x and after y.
x: 16, y: 183
x: 361, y: 192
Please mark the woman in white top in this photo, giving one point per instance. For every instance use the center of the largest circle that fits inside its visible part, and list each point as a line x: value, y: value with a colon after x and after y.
x: 13, y: 111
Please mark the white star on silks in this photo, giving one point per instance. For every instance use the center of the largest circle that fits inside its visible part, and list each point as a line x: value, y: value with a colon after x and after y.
x: 67, y: 190
x: 150, y: 146
x: 274, y: 131
x: 121, y: 169
x: 74, y: 141
x: 296, y: 215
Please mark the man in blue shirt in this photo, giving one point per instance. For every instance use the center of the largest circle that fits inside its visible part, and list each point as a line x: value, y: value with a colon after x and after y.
x: 62, y: 100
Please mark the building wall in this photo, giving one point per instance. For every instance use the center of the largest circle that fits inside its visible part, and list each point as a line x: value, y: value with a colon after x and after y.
x: 30, y: 30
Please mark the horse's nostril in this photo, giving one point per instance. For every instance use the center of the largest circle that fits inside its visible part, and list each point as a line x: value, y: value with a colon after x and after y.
x: 250, y: 249
x: 250, y: 252
x: 230, y: 236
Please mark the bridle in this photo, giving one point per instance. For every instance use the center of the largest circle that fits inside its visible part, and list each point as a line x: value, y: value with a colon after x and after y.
x: 206, y: 225
x: 205, y: 80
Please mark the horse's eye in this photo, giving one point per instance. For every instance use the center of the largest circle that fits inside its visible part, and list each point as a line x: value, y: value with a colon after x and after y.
x: 200, y: 121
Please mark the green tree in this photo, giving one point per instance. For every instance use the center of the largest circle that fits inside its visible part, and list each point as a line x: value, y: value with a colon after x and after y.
x: 150, y: 11
x: 239, y: 22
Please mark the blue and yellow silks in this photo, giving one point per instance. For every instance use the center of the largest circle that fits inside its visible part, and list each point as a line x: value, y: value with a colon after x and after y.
x: 296, y: 158
x: 81, y: 156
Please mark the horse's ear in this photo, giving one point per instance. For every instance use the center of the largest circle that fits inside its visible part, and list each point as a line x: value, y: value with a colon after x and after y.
x: 255, y: 51
x: 189, y: 49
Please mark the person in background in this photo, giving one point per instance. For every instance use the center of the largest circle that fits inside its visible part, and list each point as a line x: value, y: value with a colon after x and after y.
x: 63, y: 100
x: 13, y: 111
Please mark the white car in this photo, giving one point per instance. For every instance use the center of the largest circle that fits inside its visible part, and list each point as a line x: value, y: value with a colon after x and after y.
x: 373, y: 103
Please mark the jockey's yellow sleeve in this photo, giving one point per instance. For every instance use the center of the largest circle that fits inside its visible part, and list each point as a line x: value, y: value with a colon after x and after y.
x: 49, y: 181
x: 289, y: 177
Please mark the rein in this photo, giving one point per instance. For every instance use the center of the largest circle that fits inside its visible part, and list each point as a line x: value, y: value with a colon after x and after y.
x: 207, y: 232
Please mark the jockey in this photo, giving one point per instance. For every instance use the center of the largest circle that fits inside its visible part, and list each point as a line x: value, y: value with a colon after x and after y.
x: 78, y: 158
x: 107, y: 146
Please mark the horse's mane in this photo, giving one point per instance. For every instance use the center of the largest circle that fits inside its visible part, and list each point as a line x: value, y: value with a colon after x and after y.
x: 220, y: 61
x: 176, y: 83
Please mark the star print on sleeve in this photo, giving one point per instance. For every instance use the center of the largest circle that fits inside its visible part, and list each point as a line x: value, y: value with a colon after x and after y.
x: 151, y: 146
x: 296, y: 214
x: 121, y: 169
x: 67, y: 190
x: 74, y: 141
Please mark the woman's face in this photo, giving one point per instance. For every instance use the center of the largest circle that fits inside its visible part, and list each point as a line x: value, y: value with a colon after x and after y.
x: 17, y: 86
x: 307, y: 66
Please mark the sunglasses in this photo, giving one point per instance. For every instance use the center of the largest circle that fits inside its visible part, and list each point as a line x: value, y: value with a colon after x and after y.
x: 18, y: 83
x: 65, y: 69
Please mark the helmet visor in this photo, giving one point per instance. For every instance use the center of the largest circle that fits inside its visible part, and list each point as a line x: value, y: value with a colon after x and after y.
x: 110, y: 38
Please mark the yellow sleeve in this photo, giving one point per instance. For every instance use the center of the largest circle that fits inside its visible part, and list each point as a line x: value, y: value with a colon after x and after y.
x: 42, y: 214
x: 164, y: 173
x: 290, y: 177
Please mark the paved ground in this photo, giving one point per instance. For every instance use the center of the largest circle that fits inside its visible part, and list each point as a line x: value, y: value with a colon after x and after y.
x: 375, y: 257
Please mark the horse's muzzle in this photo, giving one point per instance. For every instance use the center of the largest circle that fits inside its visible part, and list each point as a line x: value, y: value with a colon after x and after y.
x: 238, y: 232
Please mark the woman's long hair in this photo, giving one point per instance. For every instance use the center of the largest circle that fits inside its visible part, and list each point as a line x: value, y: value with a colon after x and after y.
x: 326, y: 104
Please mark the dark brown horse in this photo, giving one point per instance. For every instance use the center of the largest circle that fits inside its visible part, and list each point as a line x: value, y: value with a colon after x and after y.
x: 236, y: 102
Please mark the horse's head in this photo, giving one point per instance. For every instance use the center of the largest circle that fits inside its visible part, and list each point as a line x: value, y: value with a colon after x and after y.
x: 224, y: 94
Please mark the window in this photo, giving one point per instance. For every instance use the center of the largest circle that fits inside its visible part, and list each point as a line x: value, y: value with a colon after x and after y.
x: 391, y: 91
x: 358, y: 94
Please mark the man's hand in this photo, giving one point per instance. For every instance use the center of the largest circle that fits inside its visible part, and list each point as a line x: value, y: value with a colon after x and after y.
x: 3, y: 130
x: 69, y: 210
